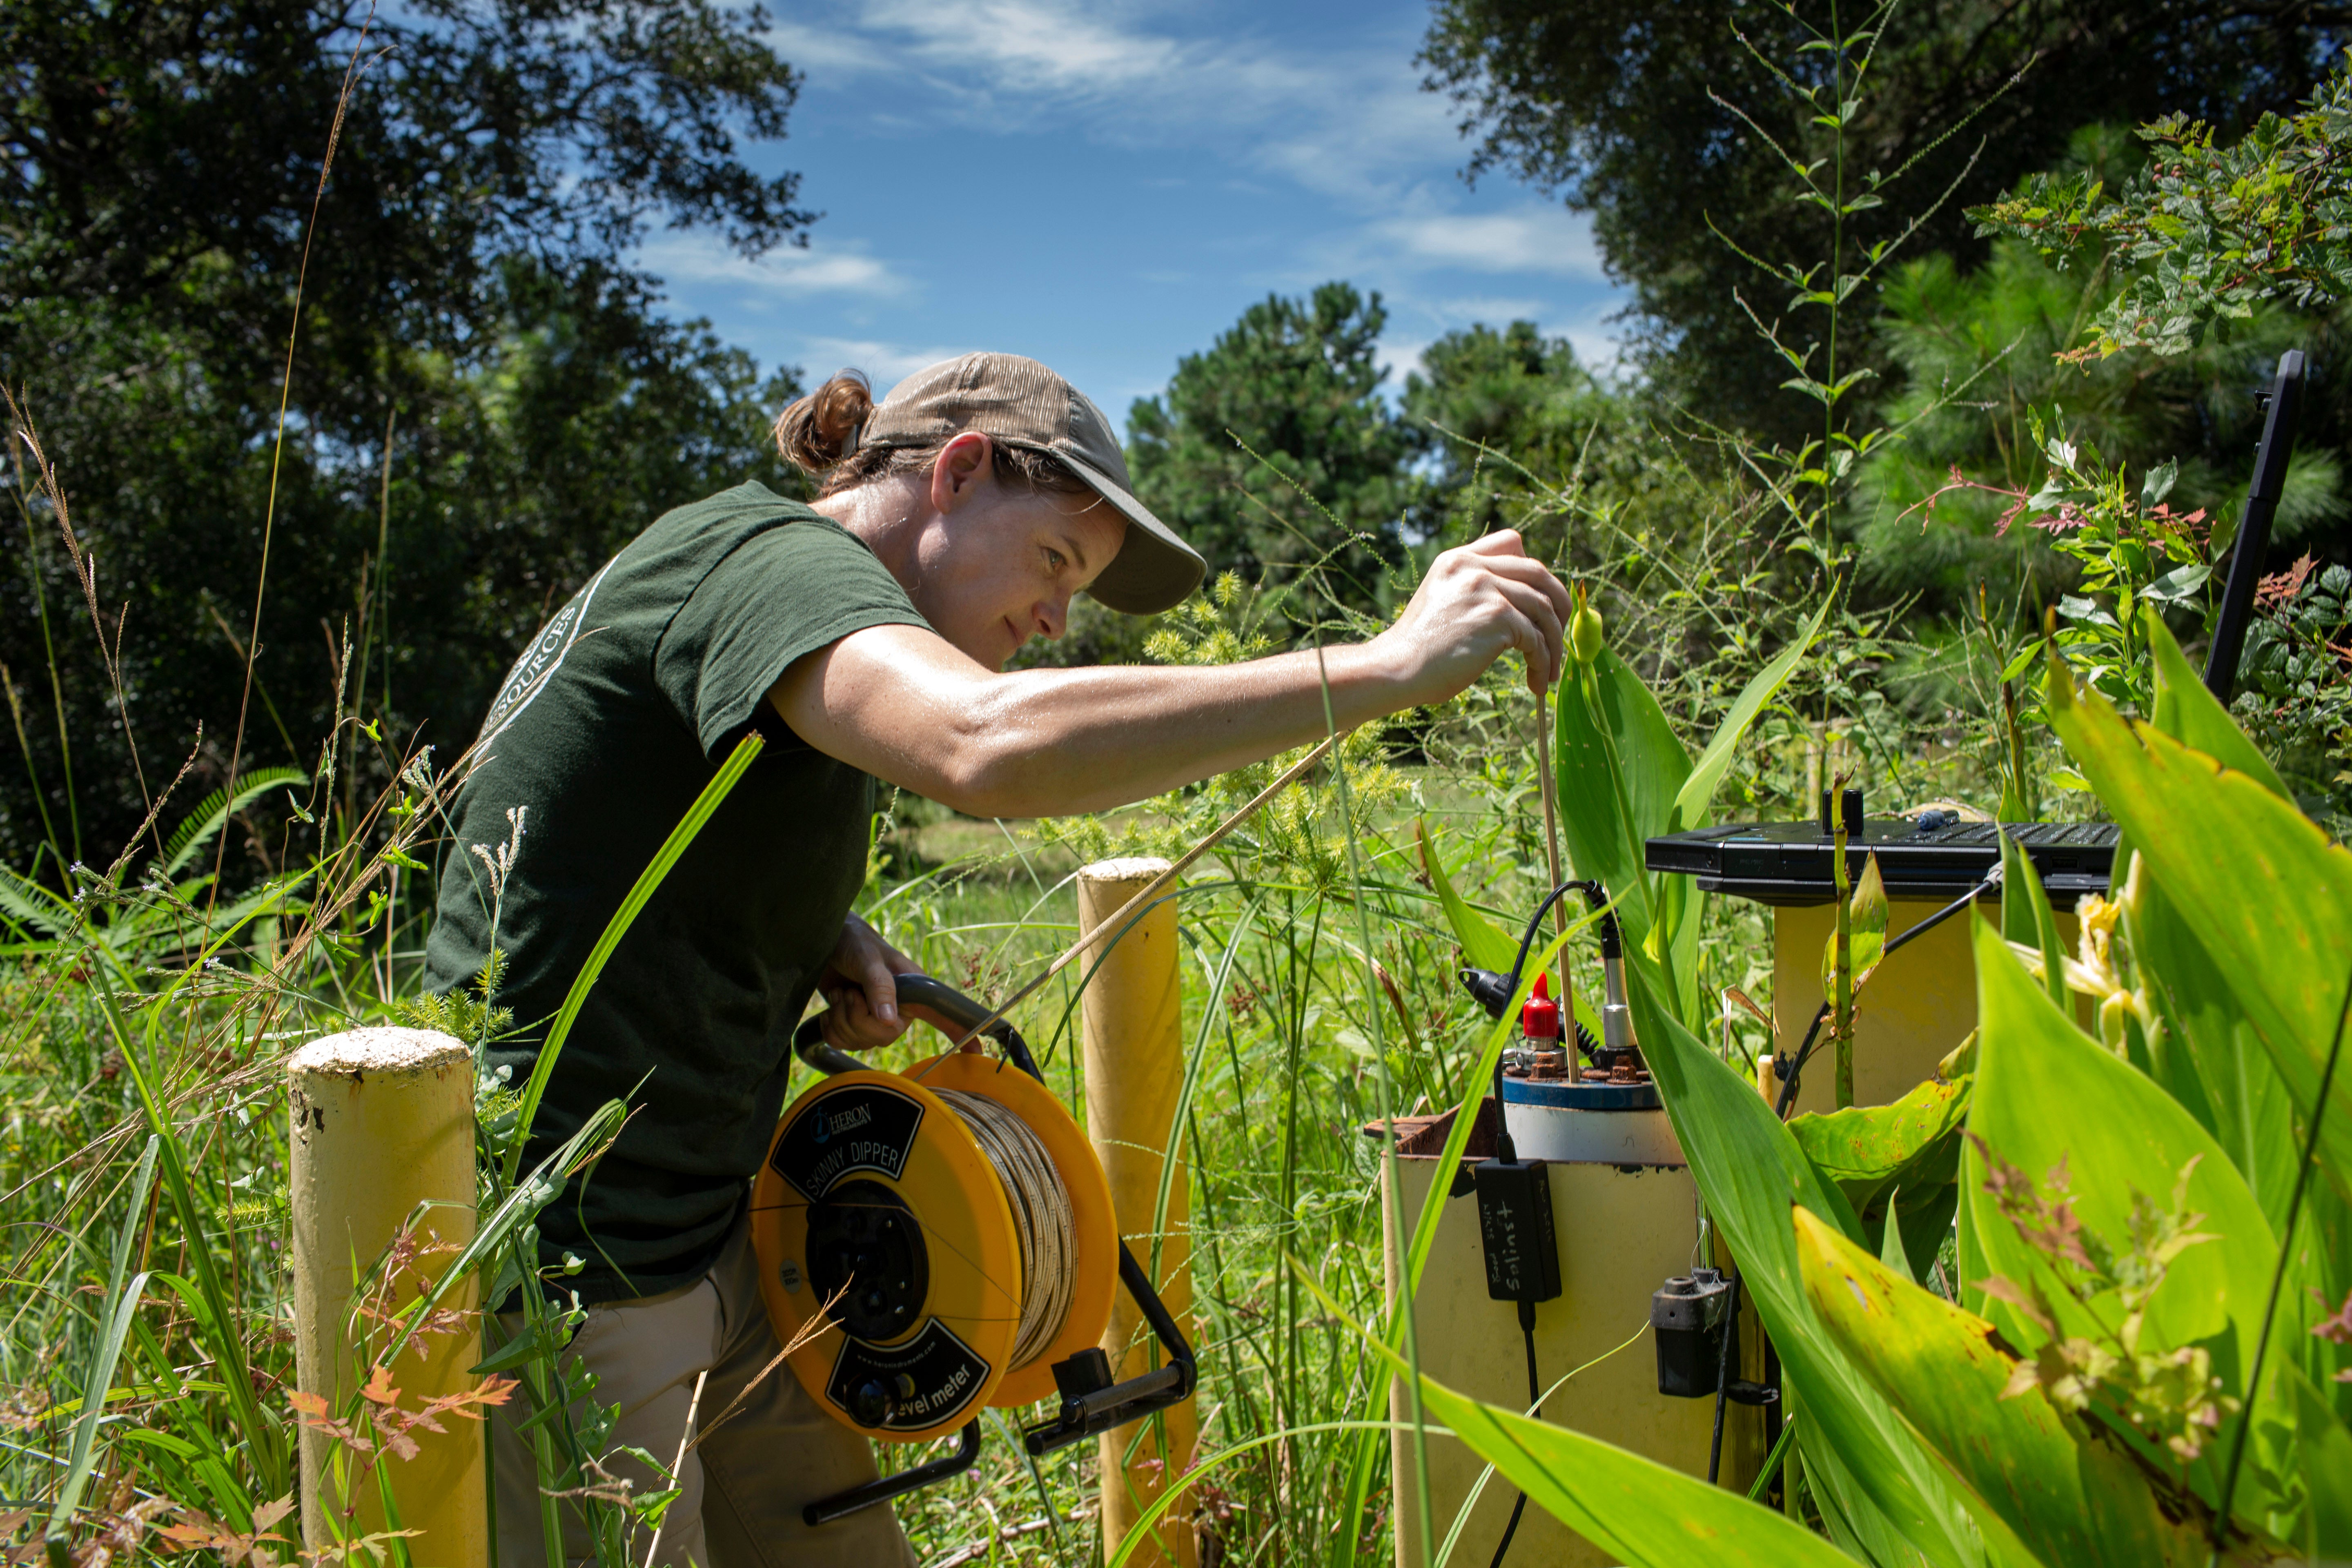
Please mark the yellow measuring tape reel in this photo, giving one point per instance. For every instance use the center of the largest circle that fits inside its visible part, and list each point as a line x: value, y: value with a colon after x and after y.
x: 959, y: 1225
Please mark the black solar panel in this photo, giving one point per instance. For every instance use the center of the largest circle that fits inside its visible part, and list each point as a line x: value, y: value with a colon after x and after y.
x: 1790, y: 862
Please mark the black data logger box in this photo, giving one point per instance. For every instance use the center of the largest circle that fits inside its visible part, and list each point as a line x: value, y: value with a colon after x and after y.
x: 1515, y: 1229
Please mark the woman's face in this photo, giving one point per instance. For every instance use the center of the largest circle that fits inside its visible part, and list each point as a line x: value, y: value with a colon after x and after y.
x: 996, y: 563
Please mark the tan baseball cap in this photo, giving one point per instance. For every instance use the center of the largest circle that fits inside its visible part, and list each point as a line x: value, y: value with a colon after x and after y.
x: 1021, y: 404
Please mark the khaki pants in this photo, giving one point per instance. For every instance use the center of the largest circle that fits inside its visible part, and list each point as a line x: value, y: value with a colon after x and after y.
x: 741, y: 1490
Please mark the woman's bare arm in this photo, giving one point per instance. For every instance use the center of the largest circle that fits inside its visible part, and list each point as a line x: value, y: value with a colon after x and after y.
x: 906, y: 706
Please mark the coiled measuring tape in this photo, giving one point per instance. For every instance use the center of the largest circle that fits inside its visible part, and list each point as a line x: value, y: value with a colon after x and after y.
x: 941, y: 1240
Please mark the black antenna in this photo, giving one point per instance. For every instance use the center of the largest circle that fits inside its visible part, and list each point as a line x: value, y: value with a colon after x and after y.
x: 2254, y: 528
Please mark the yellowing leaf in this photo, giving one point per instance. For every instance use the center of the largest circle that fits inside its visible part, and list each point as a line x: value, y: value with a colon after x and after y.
x: 2071, y: 1494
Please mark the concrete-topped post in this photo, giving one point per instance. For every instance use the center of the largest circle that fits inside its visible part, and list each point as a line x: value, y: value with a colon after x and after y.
x: 382, y: 1123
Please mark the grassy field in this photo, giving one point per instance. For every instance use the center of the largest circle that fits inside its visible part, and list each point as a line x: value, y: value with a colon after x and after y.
x: 145, y: 1010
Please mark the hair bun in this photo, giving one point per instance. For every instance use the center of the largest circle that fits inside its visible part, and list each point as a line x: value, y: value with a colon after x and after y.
x: 818, y: 430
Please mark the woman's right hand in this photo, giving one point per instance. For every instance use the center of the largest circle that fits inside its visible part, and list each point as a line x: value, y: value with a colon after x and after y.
x: 1478, y: 602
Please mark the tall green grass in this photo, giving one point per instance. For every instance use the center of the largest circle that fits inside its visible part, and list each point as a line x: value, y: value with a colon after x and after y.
x: 145, y: 1344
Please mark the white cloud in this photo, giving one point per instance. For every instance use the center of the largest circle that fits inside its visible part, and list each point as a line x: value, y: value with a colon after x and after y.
x: 787, y: 270
x: 885, y: 363
x: 1599, y: 342
x: 832, y: 51
x: 1338, y: 128
x: 1528, y: 239
x: 1486, y: 310
x: 1400, y: 356
x: 1130, y: 73
x: 1029, y: 46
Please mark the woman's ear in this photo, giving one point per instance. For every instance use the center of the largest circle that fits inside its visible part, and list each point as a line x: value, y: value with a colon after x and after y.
x: 963, y: 465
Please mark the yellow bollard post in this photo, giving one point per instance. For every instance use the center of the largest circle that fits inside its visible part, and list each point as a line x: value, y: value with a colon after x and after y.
x: 1135, y: 1068
x: 382, y: 1122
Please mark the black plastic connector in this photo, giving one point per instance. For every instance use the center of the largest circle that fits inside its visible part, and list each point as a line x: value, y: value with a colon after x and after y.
x: 1687, y: 1319
x: 1515, y: 1230
x: 1489, y: 990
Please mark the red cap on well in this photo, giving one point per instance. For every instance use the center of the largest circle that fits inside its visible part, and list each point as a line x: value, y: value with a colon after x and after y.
x: 1540, y: 1019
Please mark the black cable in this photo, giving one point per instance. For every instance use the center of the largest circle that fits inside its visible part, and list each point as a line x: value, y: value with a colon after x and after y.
x: 1723, y: 1378
x: 1599, y: 897
x: 1797, y: 1063
x: 1535, y: 1408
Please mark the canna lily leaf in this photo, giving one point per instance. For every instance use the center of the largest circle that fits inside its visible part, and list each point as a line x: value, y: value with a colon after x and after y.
x: 1869, y: 1151
x: 1636, y: 1510
x: 1695, y: 799
x: 1605, y: 814
x: 2130, y: 1145
x: 2195, y: 717
x: 1891, y: 1250
x: 2326, y: 1451
x: 1751, y: 1171
x: 2270, y: 896
x: 2072, y: 1494
x: 2026, y: 917
x: 2204, y: 1053
x: 1865, y: 930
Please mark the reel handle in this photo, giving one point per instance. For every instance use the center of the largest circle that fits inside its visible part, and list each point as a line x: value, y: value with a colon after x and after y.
x: 923, y: 991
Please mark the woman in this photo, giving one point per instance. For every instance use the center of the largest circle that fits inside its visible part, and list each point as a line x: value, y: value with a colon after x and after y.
x: 864, y: 635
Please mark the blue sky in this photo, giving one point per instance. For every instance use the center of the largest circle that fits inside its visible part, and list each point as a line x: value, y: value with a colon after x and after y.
x: 1107, y: 187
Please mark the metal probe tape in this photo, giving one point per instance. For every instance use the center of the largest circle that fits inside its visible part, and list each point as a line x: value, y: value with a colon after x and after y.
x: 1042, y: 1223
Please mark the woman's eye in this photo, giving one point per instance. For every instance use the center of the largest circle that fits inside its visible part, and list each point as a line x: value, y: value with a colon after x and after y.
x: 1053, y: 561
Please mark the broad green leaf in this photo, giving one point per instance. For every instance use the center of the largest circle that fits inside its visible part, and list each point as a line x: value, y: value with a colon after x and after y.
x: 1605, y: 817
x: 1890, y: 1242
x: 2204, y: 1053
x: 2326, y: 1450
x: 1695, y: 799
x: 1750, y: 1170
x: 1865, y: 930
x: 1635, y: 1509
x: 1868, y: 1150
x: 2048, y: 1094
x: 2195, y: 717
x: 2027, y: 919
x: 1487, y: 944
x: 2270, y: 897
x: 2076, y: 1497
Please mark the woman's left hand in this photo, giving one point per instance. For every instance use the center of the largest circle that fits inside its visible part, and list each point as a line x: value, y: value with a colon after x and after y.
x: 861, y: 992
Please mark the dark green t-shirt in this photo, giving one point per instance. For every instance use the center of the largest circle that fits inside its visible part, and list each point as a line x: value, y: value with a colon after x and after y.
x: 605, y: 730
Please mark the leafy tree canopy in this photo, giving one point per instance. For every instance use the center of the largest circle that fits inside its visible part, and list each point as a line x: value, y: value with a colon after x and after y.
x: 483, y: 401
x: 2207, y: 231
x: 1629, y: 110
x: 1285, y: 406
x: 1493, y: 413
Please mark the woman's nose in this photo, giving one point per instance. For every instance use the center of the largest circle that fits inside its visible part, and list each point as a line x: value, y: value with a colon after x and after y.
x: 1053, y: 617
